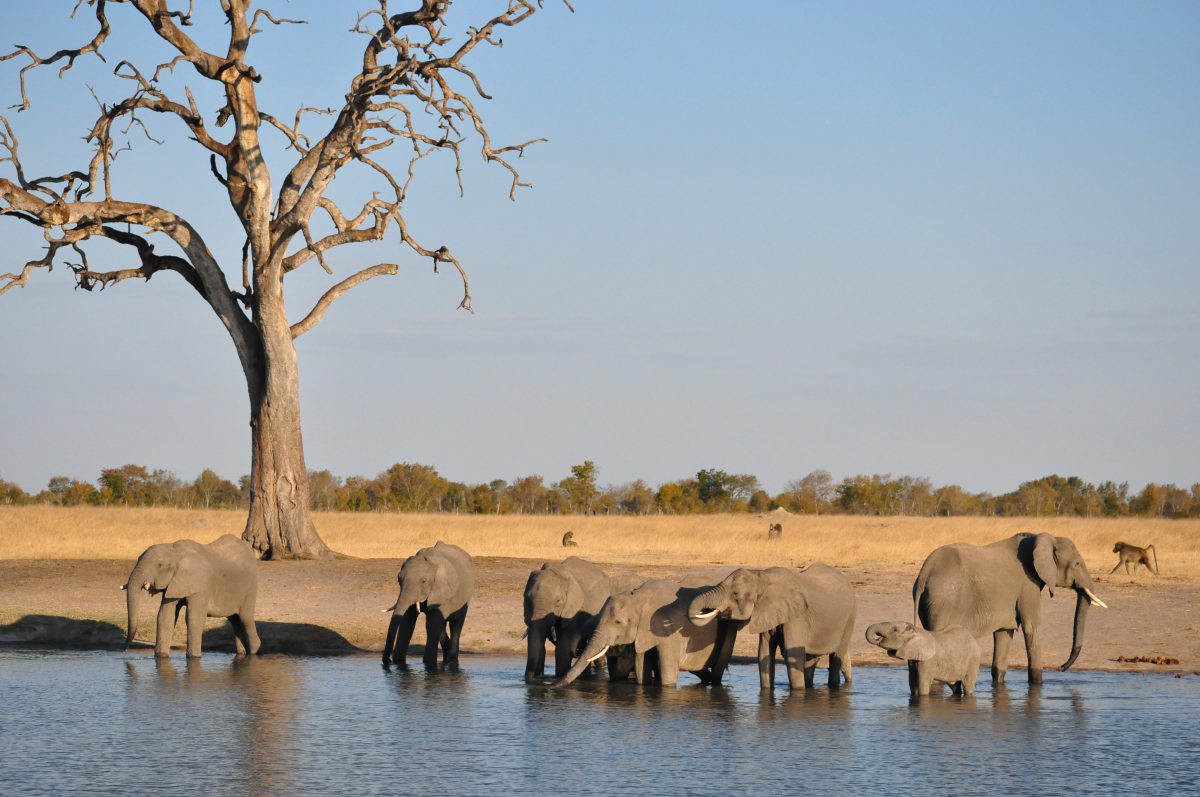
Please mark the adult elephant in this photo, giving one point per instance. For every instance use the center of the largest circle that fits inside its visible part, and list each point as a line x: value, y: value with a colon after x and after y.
x: 804, y: 613
x: 994, y: 589
x: 653, y: 619
x: 560, y: 599
x: 438, y: 581
x: 215, y: 580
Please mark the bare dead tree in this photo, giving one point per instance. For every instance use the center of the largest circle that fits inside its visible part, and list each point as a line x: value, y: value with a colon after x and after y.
x: 414, y: 89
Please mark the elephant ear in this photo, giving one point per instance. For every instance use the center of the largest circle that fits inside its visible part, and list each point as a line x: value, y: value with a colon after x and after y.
x: 445, y: 582
x: 1043, y: 561
x: 920, y: 647
x: 191, y: 576
x: 780, y: 598
x: 573, y: 602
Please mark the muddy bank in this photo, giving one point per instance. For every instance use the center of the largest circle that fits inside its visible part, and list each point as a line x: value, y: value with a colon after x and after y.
x: 334, y: 608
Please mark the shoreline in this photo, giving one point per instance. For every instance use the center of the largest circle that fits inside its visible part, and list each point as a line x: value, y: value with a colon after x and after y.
x: 333, y: 608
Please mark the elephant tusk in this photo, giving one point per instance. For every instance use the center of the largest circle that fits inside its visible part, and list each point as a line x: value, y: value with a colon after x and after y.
x: 124, y: 586
x: 146, y: 586
x: 598, y: 655
x: 705, y: 615
x: 1095, y: 601
x: 525, y: 633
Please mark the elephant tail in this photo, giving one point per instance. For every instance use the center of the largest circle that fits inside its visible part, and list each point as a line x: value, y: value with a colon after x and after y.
x: 921, y: 600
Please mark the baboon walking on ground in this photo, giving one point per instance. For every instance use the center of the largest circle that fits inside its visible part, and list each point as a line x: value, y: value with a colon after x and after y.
x: 1127, y: 553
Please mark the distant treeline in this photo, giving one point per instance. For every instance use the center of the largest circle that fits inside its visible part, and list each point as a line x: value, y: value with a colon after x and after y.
x: 409, y: 487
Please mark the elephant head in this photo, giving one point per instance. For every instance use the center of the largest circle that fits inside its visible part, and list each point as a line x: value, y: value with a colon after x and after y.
x: 1057, y: 563
x: 551, y: 595
x: 424, y: 581
x: 173, y: 569
x: 903, y: 641
x: 622, y: 621
x: 762, y: 599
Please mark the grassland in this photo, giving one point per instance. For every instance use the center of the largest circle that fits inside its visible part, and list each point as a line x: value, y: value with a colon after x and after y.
x: 887, y: 543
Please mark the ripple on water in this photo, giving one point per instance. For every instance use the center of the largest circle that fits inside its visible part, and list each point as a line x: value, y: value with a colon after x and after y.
x: 109, y: 723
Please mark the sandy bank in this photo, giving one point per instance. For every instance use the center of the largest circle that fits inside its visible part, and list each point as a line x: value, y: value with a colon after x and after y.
x: 334, y: 607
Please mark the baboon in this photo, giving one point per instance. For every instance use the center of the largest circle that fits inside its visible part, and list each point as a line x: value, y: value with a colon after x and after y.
x: 1132, y: 553
x: 569, y: 540
x: 775, y: 532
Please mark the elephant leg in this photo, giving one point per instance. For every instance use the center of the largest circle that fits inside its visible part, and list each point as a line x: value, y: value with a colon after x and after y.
x: 722, y: 652
x: 924, y: 678
x: 640, y: 672
x: 564, y: 651
x: 400, y: 631
x: 914, y: 679
x: 668, y: 666
x: 835, y: 670
x: 457, y: 621
x: 796, y: 661
x: 253, y: 643
x: 435, y: 626
x: 810, y: 671
x: 969, y: 679
x: 1033, y: 650
x: 1001, y: 639
x: 168, y: 615
x: 197, y: 612
x: 239, y: 634
x: 766, y: 661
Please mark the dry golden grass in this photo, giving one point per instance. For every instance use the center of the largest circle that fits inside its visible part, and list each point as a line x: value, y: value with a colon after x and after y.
x: 889, y: 543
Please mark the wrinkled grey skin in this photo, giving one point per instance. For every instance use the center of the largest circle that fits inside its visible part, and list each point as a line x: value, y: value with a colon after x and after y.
x: 560, y: 598
x: 995, y: 589
x: 805, y: 613
x: 215, y: 580
x: 653, y: 619
x: 437, y: 581
x: 949, y: 656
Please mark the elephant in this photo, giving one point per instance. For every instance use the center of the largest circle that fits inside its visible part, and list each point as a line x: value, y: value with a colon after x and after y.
x: 950, y: 655
x: 439, y: 581
x: 653, y: 619
x: 560, y: 598
x: 219, y: 579
x: 805, y: 613
x: 994, y: 589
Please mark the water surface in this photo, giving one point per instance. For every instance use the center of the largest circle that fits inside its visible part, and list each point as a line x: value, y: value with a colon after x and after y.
x: 113, y: 723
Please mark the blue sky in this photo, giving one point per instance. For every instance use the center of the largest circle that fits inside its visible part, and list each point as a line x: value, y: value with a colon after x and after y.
x: 949, y: 240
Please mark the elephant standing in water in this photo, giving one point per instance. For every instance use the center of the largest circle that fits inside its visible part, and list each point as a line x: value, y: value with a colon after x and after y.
x: 438, y: 581
x: 653, y: 619
x: 560, y: 599
x: 950, y: 656
x: 215, y: 580
x: 994, y: 589
x: 805, y: 613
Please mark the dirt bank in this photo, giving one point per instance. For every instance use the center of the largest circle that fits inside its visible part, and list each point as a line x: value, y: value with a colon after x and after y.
x: 334, y: 607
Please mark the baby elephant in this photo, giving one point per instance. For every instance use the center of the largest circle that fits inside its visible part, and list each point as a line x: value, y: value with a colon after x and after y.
x: 950, y: 655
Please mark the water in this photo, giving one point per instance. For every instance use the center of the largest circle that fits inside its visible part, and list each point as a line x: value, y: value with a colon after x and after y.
x: 112, y: 723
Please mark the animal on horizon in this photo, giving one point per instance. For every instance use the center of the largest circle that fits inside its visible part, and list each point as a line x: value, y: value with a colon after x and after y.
x: 775, y: 532
x: 1127, y: 553
x: 568, y: 540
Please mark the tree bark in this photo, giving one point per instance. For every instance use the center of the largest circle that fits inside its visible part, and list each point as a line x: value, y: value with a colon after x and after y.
x: 280, y: 521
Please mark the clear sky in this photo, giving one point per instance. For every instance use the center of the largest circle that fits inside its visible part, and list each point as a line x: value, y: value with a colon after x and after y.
x: 952, y: 240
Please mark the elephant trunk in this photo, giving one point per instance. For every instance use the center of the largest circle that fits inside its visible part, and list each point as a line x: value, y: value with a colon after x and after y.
x: 875, y: 633
x: 1082, y: 603
x: 707, y: 605
x: 393, y: 624
x: 135, y: 596
x: 596, y: 647
x: 535, y: 637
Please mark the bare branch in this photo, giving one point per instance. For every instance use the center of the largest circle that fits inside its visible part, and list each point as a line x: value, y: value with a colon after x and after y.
x: 36, y: 61
x: 318, y: 312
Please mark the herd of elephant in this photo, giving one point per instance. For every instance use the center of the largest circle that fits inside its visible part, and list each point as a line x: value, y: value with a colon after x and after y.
x: 654, y: 630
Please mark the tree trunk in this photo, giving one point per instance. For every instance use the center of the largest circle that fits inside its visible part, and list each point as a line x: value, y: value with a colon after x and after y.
x: 280, y: 522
